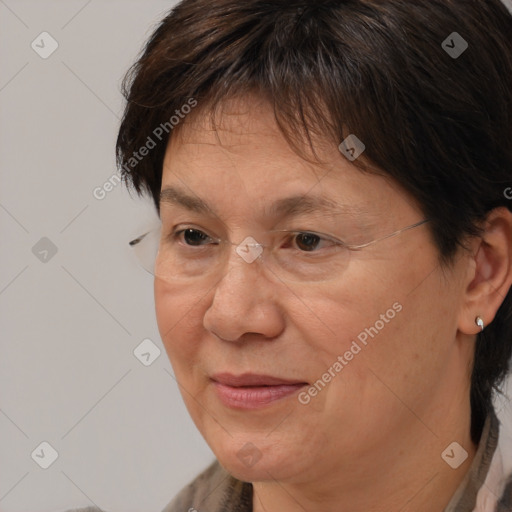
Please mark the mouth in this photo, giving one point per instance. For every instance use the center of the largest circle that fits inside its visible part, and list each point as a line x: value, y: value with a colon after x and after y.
x: 251, y: 391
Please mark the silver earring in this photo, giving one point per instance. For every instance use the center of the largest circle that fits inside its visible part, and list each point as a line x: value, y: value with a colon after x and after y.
x: 479, y: 322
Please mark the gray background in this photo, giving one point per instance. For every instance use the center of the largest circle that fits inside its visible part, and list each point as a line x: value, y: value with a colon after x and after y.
x: 70, y: 321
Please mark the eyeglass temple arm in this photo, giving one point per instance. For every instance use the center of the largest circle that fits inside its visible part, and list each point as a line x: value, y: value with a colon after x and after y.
x: 139, y: 239
x: 362, y: 246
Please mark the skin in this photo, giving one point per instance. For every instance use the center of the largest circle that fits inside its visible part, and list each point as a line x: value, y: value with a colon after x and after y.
x: 372, y: 439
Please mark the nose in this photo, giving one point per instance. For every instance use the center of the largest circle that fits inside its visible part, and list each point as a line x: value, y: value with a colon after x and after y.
x: 244, y: 302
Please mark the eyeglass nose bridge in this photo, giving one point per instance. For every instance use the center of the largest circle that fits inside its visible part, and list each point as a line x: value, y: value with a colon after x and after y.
x: 249, y: 249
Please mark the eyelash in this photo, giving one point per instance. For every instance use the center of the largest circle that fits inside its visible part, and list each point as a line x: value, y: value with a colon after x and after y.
x: 290, y: 236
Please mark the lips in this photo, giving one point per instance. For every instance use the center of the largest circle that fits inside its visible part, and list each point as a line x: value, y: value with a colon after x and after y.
x: 252, y: 380
x: 251, y: 391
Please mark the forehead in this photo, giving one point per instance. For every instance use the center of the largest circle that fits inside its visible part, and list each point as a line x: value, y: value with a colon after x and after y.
x: 245, y: 126
x: 244, y: 154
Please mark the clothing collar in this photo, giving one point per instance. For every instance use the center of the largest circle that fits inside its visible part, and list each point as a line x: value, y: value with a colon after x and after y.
x: 484, y: 482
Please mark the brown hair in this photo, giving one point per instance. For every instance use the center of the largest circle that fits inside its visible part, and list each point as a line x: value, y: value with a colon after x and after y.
x: 438, y: 123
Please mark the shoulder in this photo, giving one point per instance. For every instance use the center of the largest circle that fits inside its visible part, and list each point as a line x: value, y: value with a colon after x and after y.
x: 214, y: 490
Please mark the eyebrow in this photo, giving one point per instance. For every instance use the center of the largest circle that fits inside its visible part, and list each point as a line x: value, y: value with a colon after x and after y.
x: 282, y: 208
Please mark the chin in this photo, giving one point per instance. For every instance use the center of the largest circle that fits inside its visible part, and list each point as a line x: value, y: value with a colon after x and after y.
x: 249, y: 463
x: 261, y: 471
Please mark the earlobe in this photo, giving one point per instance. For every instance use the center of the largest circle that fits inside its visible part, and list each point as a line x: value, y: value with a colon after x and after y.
x: 490, y: 273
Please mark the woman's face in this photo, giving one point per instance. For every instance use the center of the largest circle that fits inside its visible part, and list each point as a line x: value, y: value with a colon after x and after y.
x: 353, y: 362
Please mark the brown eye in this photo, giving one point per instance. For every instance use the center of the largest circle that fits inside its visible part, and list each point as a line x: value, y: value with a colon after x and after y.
x: 193, y: 236
x: 307, y: 241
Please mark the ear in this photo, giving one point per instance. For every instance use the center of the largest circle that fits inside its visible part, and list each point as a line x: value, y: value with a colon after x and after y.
x: 489, y: 276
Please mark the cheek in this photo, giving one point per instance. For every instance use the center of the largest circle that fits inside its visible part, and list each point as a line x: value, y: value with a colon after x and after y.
x: 179, y: 314
x: 333, y: 315
x: 378, y: 324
